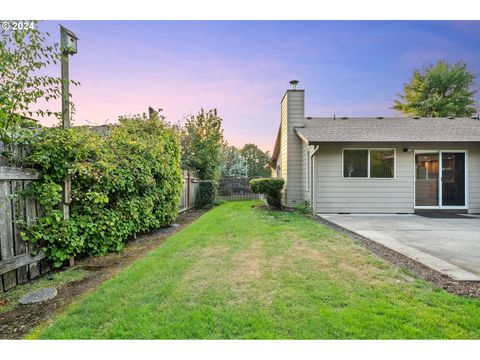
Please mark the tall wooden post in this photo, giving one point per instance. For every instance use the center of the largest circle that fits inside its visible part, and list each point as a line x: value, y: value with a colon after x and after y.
x: 65, y: 123
x: 65, y: 88
x: 68, y: 46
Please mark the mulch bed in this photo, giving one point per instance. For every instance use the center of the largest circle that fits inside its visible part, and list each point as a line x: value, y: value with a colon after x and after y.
x: 18, y: 322
x: 464, y: 288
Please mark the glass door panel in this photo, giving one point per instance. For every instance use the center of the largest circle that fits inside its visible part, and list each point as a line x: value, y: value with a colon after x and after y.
x: 426, y: 179
x: 453, y: 179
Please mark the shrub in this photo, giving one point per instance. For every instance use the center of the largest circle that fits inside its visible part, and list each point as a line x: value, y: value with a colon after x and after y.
x: 272, y: 188
x: 207, y: 192
x: 304, y: 208
x: 218, y: 202
x: 125, y: 183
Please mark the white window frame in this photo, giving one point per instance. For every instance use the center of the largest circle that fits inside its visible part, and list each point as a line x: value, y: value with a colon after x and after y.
x: 368, y: 164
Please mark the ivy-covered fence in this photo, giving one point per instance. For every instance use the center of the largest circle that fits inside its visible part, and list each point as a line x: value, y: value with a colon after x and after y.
x: 124, y: 183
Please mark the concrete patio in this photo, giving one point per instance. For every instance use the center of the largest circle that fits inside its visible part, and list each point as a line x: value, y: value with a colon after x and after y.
x: 450, y: 246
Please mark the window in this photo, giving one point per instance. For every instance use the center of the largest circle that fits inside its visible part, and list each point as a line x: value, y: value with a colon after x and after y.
x: 382, y: 163
x: 355, y: 163
x: 307, y: 180
x: 369, y: 163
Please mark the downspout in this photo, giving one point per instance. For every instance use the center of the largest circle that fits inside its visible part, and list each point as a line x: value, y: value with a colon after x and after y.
x: 313, y: 187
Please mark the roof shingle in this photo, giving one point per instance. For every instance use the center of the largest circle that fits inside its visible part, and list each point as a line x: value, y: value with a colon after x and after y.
x: 390, y: 130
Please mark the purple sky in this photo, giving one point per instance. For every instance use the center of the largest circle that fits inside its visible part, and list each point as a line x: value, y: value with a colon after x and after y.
x: 243, y: 67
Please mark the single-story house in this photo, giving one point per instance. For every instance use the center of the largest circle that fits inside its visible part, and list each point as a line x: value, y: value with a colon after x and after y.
x: 376, y: 164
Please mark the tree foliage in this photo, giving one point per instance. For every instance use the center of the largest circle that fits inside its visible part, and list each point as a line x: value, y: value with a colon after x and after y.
x: 123, y: 183
x: 249, y: 161
x: 257, y: 161
x: 441, y: 90
x: 25, y: 55
x: 207, y: 192
x: 201, y: 140
x: 232, y: 164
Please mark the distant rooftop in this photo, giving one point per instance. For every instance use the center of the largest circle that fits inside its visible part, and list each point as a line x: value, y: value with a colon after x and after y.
x: 389, y: 129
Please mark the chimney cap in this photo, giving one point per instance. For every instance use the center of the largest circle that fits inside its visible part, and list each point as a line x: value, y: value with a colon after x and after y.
x: 294, y: 84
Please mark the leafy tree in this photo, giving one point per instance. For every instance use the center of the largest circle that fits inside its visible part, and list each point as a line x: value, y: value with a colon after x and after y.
x: 233, y: 164
x: 440, y: 90
x: 201, y: 140
x: 24, y: 56
x: 257, y: 161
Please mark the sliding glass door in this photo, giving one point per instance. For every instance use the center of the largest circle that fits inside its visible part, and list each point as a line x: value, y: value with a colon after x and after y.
x: 440, y: 179
x: 426, y: 183
x: 453, y: 179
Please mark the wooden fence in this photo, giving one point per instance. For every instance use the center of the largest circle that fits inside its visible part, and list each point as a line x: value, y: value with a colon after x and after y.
x: 17, y: 265
x: 189, y: 192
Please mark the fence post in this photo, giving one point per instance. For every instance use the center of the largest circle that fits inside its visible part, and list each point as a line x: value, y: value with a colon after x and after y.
x: 68, y: 46
x: 188, y: 190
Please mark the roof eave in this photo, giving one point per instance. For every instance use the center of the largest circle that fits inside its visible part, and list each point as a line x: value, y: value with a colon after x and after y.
x: 318, y: 142
x: 301, y: 136
x: 276, y: 147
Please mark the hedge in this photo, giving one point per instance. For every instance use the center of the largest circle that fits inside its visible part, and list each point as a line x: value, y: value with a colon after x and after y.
x: 125, y: 183
x: 272, y: 188
x: 207, y: 193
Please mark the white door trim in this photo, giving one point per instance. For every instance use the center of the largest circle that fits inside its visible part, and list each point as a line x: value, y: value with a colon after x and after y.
x: 440, y: 190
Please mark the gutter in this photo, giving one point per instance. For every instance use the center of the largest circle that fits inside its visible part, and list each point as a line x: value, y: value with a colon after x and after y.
x: 305, y: 140
x: 313, y: 188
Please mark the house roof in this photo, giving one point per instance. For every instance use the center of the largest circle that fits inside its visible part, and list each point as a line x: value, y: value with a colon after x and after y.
x: 318, y: 130
x: 276, y: 148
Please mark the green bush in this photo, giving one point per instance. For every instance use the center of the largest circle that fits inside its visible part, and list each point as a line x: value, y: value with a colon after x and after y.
x: 207, y: 192
x: 272, y: 188
x: 218, y: 202
x: 304, y: 208
x: 125, y: 183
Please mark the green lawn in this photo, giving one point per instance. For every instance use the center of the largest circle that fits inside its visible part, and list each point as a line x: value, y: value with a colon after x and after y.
x: 240, y: 272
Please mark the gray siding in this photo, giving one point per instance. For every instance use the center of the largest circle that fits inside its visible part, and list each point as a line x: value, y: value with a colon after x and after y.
x: 474, y: 179
x: 292, y: 116
x: 283, y: 145
x: 334, y: 194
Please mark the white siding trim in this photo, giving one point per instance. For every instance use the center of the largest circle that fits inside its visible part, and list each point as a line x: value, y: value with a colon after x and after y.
x: 307, y: 171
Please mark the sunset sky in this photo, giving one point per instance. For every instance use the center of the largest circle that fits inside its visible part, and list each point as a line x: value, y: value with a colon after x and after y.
x: 243, y: 68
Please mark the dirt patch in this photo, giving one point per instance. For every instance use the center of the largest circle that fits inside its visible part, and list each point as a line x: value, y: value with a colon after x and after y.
x: 16, y: 323
x: 246, y: 278
x: 249, y: 263
x: 464, y: 288
x: 212, y: 253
